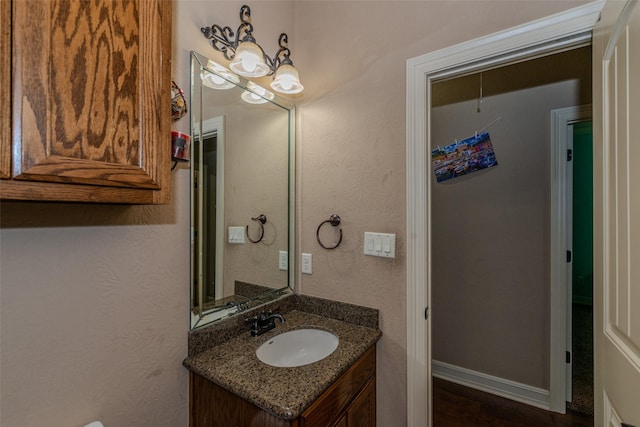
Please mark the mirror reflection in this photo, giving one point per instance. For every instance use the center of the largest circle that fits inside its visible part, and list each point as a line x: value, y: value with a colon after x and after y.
x: 241, y: 187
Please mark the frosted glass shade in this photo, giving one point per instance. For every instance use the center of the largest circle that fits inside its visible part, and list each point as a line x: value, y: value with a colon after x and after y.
x: 249, y: 61
x: 287, y: 80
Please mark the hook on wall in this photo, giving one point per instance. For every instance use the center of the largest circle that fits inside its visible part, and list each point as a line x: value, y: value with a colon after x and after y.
x: 334, y: 220
x: 261, y: 220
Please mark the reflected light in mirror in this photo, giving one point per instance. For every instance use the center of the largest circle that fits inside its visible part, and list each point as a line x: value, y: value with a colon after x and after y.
x: 260, y: 96
x: 224, y: 79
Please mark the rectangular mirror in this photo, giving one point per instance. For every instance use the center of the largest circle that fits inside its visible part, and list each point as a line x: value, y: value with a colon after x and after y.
x: 242, y: 193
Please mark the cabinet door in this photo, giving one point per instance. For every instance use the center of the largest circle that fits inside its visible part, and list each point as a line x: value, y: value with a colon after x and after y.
x: 335, y: 400
x: 362, y: 411
x: 91, y: 92
x: 213, y: 406
x: 5, y: 89
x: 342, y: 422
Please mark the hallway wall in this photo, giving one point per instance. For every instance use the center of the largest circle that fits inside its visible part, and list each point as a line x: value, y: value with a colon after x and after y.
x: 491, y: 228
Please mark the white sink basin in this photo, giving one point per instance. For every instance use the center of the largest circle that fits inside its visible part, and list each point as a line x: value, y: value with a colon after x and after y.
x: 298, y: 347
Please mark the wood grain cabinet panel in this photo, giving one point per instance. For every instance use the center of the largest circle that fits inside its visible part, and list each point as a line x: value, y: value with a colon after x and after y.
x: 362, y: 412
x: 91, y: 101
x: 349, y: 402
x: 338, y: 396
x: 5, y: 89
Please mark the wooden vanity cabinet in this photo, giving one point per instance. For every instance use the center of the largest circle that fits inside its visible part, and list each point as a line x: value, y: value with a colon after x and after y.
x: 5, y: 89
x: 349, y: 402
x: 86, y: 101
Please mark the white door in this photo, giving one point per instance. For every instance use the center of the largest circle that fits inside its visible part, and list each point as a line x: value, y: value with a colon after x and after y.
x: 616, y: 102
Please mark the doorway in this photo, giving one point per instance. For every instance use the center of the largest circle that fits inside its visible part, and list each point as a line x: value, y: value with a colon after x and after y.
x: 561, y: 32
x: 571, y: 259
x: 580, y: 377
x: 490, y: 234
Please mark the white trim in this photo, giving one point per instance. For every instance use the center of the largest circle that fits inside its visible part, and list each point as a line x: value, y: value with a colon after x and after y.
x: 513, y: 390
x: 557, y: 32
x: 219, y: 124
x: 560, y: 270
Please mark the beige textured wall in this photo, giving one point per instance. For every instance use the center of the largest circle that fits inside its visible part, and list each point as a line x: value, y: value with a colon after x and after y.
x: 351, y: 56
x: 94, y: 314
x: 94, y: 309
x: 491, y: 242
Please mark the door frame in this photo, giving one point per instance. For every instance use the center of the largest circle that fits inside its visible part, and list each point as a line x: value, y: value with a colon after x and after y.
x: 552, y: 34
x: 559, y: 380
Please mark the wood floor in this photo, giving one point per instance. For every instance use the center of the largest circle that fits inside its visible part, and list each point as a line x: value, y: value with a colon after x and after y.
x: 458, y: 406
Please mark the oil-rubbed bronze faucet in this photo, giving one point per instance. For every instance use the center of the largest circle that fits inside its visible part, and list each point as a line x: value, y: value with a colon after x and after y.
x: 263, y: 322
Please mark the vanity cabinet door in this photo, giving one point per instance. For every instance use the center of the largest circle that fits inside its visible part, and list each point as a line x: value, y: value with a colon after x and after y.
x: 342, y: 422
x: 91, y: 101
x: 347, y: 393
x: 213, y: 406
x: 362, y: 412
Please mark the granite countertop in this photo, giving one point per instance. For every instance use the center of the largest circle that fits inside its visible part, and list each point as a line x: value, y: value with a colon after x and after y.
x: 284, y: 392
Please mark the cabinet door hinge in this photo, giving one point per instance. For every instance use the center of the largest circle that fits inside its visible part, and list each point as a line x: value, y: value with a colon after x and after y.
x: 569, y: 256
x: 568, y: 356
x: 426, y: 313
x: 569, y: 155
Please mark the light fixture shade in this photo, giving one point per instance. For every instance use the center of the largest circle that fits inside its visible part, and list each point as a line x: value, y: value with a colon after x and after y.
x: 249, y: 61
x: 287, y: 80
x: 260, y: 96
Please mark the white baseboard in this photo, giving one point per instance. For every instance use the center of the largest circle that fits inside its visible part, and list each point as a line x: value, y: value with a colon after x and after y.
x: 488, y: 383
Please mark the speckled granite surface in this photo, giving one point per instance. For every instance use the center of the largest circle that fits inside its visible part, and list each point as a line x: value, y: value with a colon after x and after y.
x: 284, y: 392
x: 214, y: 334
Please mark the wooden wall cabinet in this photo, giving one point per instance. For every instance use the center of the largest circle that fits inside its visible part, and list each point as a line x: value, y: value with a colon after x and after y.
x: 349, y: 402
x: 87, y: 116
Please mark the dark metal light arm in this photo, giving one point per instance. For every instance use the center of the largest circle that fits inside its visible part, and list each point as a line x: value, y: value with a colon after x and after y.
x: 222, y: 39
x: 283, y: 53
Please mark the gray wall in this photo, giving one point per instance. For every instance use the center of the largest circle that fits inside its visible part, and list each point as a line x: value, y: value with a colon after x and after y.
x: 491, y: 243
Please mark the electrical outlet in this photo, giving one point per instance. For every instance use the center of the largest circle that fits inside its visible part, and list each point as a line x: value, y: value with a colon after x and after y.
x: 307, y: 264
x: 283, y: 260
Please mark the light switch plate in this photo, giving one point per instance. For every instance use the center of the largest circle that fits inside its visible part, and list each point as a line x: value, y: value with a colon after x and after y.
x: 380, y: 244
x: 236, y: 234
x: 307, y: 264
x: 283, y: 260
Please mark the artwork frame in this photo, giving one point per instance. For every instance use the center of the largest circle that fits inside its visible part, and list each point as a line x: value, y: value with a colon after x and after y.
x: 463, y: 157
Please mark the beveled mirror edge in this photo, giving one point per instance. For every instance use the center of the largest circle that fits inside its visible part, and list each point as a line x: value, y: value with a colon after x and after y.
x: 199, y: 320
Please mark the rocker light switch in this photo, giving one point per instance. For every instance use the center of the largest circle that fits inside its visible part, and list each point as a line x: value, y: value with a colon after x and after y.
x: 307, y: 264
x: 380, y: 244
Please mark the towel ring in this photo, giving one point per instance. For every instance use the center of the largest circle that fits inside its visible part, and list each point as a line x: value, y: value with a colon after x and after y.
x: 334, y: 220
x: 260, y: 219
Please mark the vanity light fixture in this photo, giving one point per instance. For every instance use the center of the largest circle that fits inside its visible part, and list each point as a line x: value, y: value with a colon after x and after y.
x: 248, y: 59
x: 256, y: 94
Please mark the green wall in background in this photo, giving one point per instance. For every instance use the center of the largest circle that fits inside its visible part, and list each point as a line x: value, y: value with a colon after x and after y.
x: 583, y: 213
